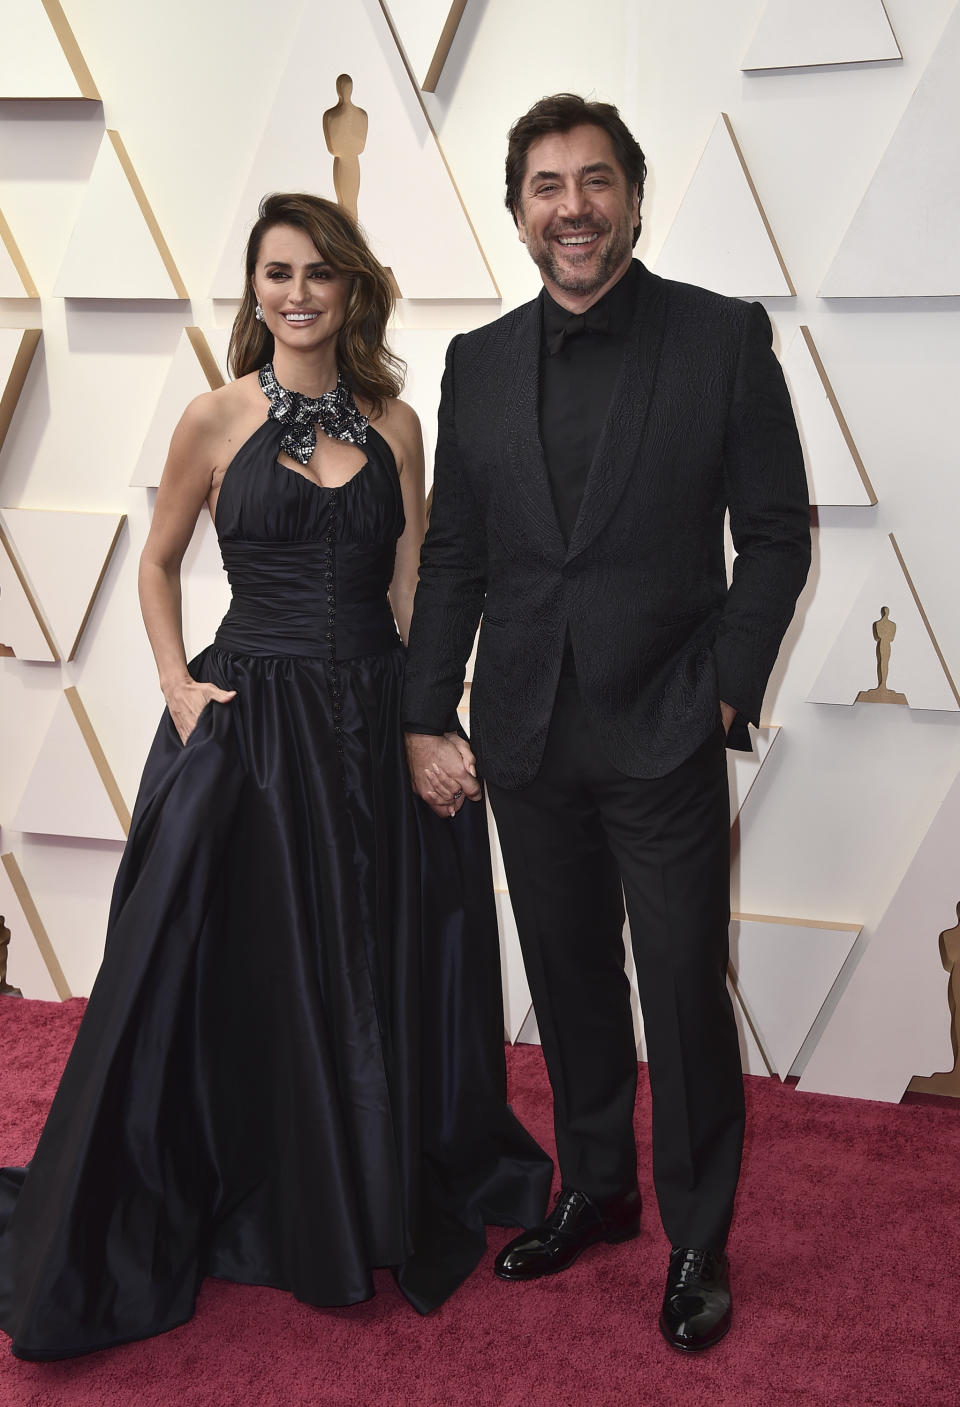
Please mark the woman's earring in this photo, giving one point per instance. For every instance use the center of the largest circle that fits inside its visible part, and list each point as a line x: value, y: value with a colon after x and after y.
x: 258, y: 313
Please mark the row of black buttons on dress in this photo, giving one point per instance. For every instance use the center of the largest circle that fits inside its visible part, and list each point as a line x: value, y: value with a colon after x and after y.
x: 331, y: 635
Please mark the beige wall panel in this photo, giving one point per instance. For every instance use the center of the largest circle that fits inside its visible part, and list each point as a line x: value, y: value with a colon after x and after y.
x: 15, y: 279
x: 32, y: 964
x: 39, y: 57
x: 902, y: 241
x: 24, y: 634
x: 71, y: 790
x: 425, y: 29
x: 816, y: 32
x: 116, y: 249
x: 916, y: 668
x: 783, y: 971
x: 433, y: 256
x: 186, y: 379
x: 836, y: 474
x: 743, y: 768
x: 65, y: 558
x: 720, y: 237
x: 17, y: 348
x: 892, y: 1021
x: 516, y: 992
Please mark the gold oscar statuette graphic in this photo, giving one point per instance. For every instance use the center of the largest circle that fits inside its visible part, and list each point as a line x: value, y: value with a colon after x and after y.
x: 947, y: 1081
x: 884, y: 630
x: 5, y: 989
x: 345, y: 128
x: 345, y: 133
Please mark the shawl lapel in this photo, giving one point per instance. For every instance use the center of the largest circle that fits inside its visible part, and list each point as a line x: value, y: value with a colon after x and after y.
x: 522, y: 465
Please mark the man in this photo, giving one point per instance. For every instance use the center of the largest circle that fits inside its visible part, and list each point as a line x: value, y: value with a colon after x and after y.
x: 590, y: 443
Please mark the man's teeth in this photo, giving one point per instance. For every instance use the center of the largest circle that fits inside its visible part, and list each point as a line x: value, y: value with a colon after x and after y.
x: 577, y: 239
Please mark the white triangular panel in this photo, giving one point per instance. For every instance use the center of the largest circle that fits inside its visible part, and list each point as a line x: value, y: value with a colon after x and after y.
x: 835, y: 472
x: 720, y: 238
x: 113, y: 252
x: 743, y: 768
x: 752, y: 1059
x: 893, y: 1020
x: 915, y: 668
x: 27, y: 968
x: 784, y: 973
x: 23, y: 632
x: 821, y: 32
x: 516, y: 992
x: 902, y: 242
x: 185, y: 380
x: 434, y: 257
x: 65, y: 792
x: 32, y: 60
x: 64, y: 556
x: 529, y: 1033
x: 17, y: 348
x: 424, y: 350
x: 15, y: 280
x: 426, y: 29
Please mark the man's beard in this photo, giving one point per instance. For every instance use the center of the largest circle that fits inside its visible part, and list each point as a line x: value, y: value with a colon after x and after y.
x: 593, y: 276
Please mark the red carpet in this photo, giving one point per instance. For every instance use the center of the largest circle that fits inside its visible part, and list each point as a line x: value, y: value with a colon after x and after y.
x: 844, y: 1253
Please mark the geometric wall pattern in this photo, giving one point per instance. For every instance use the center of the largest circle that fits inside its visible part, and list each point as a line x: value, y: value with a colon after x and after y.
x: 782, y: 971
x: 24, y: 634
x: 71, y: 789
x: 133, y: 259
x: 914, y: 667
x: 881, y: 1033
x: 425, y: 30
x: 39, y: 57
x: 431, y: 258
x: 902, y: 241
x: 64, y: 556
x: 821, y: 32
x: 720, y: 237
x: 32, y: 964
x: 836, y: 474
x: 192, y: 372
x: 17, y: 348
x: 15, y: 279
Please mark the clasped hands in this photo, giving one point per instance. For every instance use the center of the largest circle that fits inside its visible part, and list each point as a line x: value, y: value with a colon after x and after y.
x: 443, y: 771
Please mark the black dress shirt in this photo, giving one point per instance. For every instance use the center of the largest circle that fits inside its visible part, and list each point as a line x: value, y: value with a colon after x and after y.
x: 576, y: 386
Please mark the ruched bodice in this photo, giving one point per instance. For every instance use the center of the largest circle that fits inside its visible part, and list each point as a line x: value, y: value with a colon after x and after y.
x: 308, y: 566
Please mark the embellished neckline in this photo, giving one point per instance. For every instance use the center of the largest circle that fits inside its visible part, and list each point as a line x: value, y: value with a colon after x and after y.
x: 335, y: 412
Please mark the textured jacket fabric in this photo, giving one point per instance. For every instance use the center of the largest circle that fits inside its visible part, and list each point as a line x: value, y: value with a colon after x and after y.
x: 700, y: 422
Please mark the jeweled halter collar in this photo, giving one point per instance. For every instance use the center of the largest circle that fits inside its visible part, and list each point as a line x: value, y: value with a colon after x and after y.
x: 335, y: 412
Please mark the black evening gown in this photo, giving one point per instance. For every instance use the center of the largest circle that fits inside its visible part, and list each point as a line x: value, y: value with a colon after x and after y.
x: 291, y: 1066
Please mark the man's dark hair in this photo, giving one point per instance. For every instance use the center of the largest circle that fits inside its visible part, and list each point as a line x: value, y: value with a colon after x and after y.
x: 560, y: 113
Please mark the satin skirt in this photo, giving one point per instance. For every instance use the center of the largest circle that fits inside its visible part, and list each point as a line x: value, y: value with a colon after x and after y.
x: 291, y: 1066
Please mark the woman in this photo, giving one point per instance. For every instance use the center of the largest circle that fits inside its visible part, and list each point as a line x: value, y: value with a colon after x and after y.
x: 291, y: 1066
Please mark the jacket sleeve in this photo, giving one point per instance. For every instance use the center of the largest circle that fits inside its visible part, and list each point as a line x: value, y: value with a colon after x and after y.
x: 452, y: 586
x: 766, y: 490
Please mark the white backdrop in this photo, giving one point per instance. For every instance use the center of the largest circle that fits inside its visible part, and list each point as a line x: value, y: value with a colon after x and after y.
x: 849, y: 797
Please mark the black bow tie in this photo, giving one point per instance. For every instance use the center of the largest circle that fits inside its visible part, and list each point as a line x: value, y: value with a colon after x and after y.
x: 595, y: 319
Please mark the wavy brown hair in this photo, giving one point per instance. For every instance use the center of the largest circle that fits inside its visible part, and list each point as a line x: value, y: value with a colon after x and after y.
x: 365, y: 361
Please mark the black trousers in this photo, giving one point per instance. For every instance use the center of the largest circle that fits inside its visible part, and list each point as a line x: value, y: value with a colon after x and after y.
x: 576, y: 841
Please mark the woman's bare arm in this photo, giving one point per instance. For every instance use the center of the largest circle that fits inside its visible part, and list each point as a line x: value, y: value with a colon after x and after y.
x: 186, y: 484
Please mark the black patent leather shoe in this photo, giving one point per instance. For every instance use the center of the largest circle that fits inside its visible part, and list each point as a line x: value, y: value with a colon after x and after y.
x: 697, y: 1307
x: 575, y: 1223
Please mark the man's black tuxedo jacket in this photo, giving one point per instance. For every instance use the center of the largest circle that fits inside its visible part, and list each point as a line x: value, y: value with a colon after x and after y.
x: 700, y: 420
